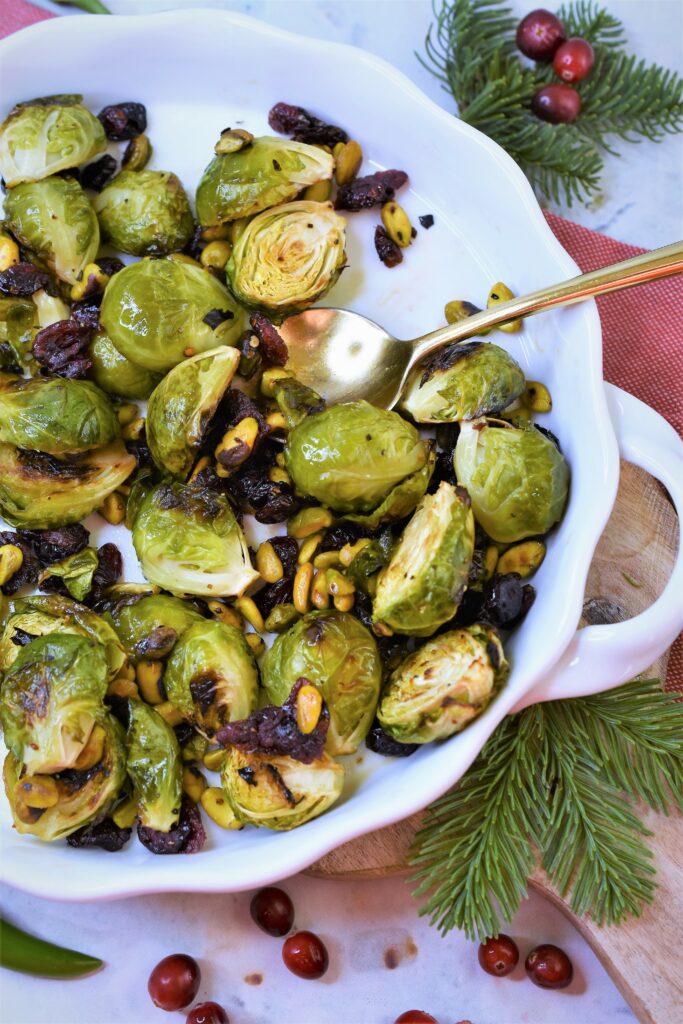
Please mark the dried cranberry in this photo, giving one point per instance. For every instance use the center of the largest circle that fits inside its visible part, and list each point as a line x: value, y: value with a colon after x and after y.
x: 371, y: 190
x: 23, y: 279
x: 29, y: 570
x: 388, y: 251
x: 123, y: 120
x: 215, y: 317
x: 108, y: 571
x: 274, y: 594
x: 506, y: 601
x: 271, y: 345
x: 274, y: 730
x: 86, y: 313
x: 99, y: 173
x: 304, y: 127
x: 335, y: 537
x: 287, y: 550
x: 61, y: 348
x: 194, y: 246
x: 110, y: 265
x: 140, y: 449
x: 268, y: 501
x: 55, y: 545
x: 104, y: 834
x: 427, y: 220
x: 188, y: 836
x: 382, y: 743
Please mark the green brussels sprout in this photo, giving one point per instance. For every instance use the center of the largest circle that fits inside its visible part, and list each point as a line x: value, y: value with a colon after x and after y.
x: 44, y: 614
x: 401, y: 499
x: 76, y: 572
x: 438, y: 689
x: 56, y: 415
x: 279, y: 792
x: 155, y: 313
x: 287, y: 258
x: 211, y: 676
x: 135, y: 622
x: 462, y: 382
x: 53, y: 218
x: 350, y: 456
x: 182, y: 406
x: 82, y: 795
x: 423, y: 583
x: 189, y: 542
x: 336, y: 653
x: 51, y: 700
x: 38, y: 491
x: 117, y: 375
x: 18, y: 326
x: 145, y: 213
x: 516, y: 477
x: 268, y: 172
x: 45, y: 136
x: 154, y: 767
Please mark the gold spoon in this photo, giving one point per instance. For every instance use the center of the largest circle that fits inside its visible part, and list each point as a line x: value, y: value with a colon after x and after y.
x: 345, y: 357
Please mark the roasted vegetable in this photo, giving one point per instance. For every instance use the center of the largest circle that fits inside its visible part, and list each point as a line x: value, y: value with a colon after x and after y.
x: 145, y: 213
x: 47, y: 135
x: 138, y: 624
x: 117, y: 375
x: 58, y: 416
x: 154, y: 766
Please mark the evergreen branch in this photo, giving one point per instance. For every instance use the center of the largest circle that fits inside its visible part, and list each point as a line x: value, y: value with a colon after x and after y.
x: 595, y: 24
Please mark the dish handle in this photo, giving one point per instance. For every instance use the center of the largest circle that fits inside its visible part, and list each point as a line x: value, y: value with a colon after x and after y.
x: 602, y: 657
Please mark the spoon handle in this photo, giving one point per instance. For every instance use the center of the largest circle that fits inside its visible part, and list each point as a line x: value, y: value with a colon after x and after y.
x: 649, y: 266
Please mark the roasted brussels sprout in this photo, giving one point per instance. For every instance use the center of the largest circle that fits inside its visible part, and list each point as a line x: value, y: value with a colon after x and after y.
x: 53, y: 218
x: 334, y: 652
x: 58, y: 416
x: 45, y: 136
x: 517, y: 478
x: 421, y: 587
x: 145, y: 213
x: 211, y: 676
x: 117, y: 375
x: 287, y: 258
x: 189, y: 542
x: 156, y: 313
x: 350, y: 456
x: 135, y: 623
x: 278, y: 792
x: 182, y: 405
x: 38, y: 491
x: 76, y: 572
x: 268, y: 172
x: 461, y: 382
x: 18, y: 325
x: 51, y: 699
x: 401, y: 499
x: 154, y: 766
x: 441, y: 687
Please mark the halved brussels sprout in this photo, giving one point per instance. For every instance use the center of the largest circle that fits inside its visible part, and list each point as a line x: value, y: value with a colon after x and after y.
x: 350, y: 456
x: 423, y: 583
x: 43, y: 614
x: 211, y: 676
x: 287, y: 258
x: 516, y: 477
x: 182, y: 406
x: 45, y: 136
x: 268, y: 172
x: 189, y: 542
x: 38, y: 491
x: 135, y: 622
x: 117, y: 375
x: 51, y: 699
x: 81, y: 795
x: 145, y: 213
x: 154, y: 767
x: 401, y: 499
x: 438, y: 689
x: 54, y: 219
x: 461, y: 382
x: 278, y: 792
x: 336, y: 653
x: 56, y: 415
x: 156, y: 311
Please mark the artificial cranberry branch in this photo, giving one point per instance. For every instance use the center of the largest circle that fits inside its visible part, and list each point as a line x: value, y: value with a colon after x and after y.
x: 471, y: 49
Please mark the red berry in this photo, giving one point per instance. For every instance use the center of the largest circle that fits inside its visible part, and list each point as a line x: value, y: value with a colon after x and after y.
x: 558, y: 104
x: 498, y: 956
x: 539, y: 34
x: 304, y: 954
x: 573, y: 60
x: 272, y: 910
x: 416, y: 1017
x: 549, y: 966
x: 174, y: 982
x: 207, y: 1013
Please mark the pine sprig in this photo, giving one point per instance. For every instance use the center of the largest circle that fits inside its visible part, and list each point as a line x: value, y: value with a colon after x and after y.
x: 560, y: 779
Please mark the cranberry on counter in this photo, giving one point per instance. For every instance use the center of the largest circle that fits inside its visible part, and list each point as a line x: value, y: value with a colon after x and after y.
x: 498, y: 956
x: 548, y: 966
x: 416, y: 1017
x: 174, y: 982
x: 207, y: 1013
x: 305, y: 955
x: 272, y: 910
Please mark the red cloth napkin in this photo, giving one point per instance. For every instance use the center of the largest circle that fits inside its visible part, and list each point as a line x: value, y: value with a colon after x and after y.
x: 642, y: 328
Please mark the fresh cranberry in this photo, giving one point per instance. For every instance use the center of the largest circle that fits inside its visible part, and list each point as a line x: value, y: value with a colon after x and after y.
x: 304, y: 954
x: 272, y: 910
x: 573, y: 60
x: 558, y: 104
x: 549, y: 966
x: 174, y: 982
x: 498, y: 956
x: 416, y: 1017
x: 207, y: 1013
x: 539, y: 34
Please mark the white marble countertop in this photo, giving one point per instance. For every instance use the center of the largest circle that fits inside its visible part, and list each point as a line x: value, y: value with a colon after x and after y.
x: 642, y: 203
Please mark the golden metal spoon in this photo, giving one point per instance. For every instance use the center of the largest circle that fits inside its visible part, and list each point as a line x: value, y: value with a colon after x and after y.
x: 345, y: 357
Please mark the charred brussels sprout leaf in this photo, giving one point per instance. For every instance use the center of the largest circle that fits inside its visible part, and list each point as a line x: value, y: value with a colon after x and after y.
x: 211, y: 676
x: 145, y: 213
x: 287, y: 258
x: 296, y: 401
x: 350, y: 456
x: 278, y: 792
x: 268, y: 172
x: 117, y: 375
x: 135, y: 623
x: 182, y: 406
x: 39, y: 139
x: 76, y: 572
x: 461, y: 382
x: 421, y: 587
x: 57, y: 416
x: 53, y: 218
x: 338, y: 655
x: 154, y: 313
x: 516, y: 477
x: 442, y: 686
x: 154, y: 766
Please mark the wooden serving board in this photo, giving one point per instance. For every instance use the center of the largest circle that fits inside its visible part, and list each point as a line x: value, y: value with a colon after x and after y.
x: 631, y: 565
